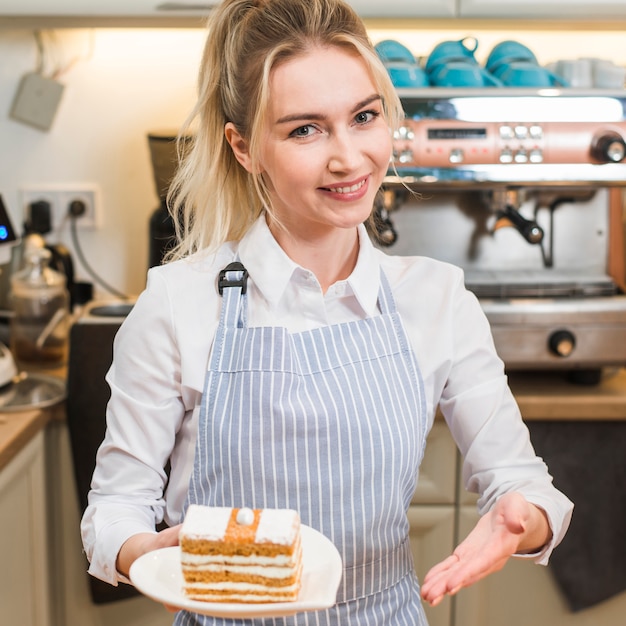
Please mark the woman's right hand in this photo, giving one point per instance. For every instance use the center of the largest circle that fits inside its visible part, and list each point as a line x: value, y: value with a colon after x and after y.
x: 140, y: 544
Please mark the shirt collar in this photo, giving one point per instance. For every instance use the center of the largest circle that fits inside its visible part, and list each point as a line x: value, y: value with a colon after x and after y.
x: 271, y: 269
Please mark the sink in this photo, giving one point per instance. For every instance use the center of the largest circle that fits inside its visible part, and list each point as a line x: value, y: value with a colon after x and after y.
x: 105, y: 311
x: 111, y: 310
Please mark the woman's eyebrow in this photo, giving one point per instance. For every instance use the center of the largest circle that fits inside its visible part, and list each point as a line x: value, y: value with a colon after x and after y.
x: 299, y: 117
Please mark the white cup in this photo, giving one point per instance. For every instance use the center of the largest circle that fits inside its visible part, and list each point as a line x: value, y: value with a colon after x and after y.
x: 608, y: 75
x: 577, y: 72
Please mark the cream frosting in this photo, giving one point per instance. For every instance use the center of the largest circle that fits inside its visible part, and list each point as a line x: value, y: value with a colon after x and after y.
x: 277, y: 526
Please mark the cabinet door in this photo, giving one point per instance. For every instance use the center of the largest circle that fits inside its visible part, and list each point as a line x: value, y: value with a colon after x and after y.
x: 557, y: 9
x: 72, y: 600
x: 404, y: 8
x: 24, y: 597
x: 524, y: 593
x: 432, y: 539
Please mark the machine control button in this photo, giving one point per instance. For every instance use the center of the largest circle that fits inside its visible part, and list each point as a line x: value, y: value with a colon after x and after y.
x: 521, y: 156
x: 506, y: 132
x: 535, y: 132
x: 610, y: 148
x: 506, y: 156
x: 535, y: 156
x: 456, y: 155
x: 562, y: 343
x: 521, y: 132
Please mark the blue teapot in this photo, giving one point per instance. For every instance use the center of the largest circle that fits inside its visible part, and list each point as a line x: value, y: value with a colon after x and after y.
x: 507, y: 52
x: 401, y: 65
x: 391, y: 51
x: 517, y: 66
x: 452, y: 64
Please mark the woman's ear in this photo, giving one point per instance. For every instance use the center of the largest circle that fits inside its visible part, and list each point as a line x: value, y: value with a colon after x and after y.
x: 239, y: 146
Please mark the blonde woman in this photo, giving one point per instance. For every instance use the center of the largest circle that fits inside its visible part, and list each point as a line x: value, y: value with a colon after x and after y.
x: 348, y: 351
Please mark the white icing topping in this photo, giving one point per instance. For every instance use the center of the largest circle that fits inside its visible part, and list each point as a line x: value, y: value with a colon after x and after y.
x: 245, y: 517
x: 275, y: 525
x: 206, y: 522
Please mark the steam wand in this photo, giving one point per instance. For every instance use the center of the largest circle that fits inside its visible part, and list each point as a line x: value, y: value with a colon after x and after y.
x: 507, y: 214
x: 548, y: 256
x: 529, y: 229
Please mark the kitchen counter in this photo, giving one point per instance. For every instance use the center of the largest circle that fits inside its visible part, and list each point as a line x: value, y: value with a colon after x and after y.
x: 541, y: 396
x: 19, y: 427
x: 551, y: 396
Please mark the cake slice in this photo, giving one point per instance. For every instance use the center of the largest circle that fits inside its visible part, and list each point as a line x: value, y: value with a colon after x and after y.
x: 241, y: 555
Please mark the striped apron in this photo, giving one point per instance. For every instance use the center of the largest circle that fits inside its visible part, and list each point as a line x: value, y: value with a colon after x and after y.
x: 332, y: 423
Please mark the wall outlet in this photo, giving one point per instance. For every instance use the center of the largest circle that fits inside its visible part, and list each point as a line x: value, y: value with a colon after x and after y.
x: 60, y: 198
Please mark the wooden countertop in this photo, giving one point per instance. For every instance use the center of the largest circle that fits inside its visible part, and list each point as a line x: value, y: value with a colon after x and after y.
x: 551, y: 396
x: 17, y: 428
x: 545, y: 396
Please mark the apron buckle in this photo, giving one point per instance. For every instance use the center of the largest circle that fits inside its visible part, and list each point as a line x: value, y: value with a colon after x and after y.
x: 222, y: 281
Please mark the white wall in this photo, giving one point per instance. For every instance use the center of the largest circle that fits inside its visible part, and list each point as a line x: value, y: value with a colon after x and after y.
x: 125, y: 83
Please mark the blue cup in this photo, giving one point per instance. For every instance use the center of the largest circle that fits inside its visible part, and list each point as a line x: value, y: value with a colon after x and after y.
x: 462, y: 74
x: 391, y: 51
x: 401, y: 65
x: 452, y: 64
x: 406, y: 74
x: 507, y: 52
x: 452, y: 51
x: 527, y: 74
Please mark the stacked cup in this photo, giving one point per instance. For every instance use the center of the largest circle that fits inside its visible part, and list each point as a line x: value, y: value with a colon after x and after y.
x: 516, y: 66
x: 591, y: 72
x: 401, y: 65
x: 452, y: 64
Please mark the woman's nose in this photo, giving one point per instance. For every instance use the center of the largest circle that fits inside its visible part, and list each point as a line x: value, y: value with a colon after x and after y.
x: 345, y: 153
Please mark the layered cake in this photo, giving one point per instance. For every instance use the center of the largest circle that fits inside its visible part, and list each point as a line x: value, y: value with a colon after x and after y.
x: 241, y: 555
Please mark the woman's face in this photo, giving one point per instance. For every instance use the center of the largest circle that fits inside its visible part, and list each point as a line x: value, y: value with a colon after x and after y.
x: 326, y: 147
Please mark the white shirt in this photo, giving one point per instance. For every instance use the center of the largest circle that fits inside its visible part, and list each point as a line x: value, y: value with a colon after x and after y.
x: 161, y: 355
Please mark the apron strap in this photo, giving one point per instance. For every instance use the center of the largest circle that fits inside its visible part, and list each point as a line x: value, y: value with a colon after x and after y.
x: 386, y: 300
x: 232, y: 283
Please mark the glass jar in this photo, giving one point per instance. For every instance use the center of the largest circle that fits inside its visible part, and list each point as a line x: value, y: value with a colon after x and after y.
x: 41, y: 316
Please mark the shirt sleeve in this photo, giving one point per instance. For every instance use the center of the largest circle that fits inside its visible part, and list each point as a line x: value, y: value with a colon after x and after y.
x: 485, y: 421
x: 144, y: 414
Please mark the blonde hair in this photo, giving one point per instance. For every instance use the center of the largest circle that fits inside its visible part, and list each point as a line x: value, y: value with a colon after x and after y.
x: 212, y: 198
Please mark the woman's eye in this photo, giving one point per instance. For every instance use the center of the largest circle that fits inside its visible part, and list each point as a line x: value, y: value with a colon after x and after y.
x: 302, y: 131
x: 366, y: 116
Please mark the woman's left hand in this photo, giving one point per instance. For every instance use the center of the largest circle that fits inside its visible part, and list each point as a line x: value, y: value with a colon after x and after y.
x: 514, y: 525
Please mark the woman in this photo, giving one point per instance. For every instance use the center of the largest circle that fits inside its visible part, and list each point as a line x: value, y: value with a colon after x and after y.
x: 347, y: 351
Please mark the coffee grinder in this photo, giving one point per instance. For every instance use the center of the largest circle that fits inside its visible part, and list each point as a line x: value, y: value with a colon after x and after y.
x: 165, y: 159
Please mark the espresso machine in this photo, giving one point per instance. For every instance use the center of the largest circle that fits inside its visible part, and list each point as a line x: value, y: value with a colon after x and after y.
x: 522, y: 189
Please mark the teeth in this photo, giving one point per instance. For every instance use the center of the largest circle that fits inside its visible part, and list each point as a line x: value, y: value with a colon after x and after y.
x: 350, y: 189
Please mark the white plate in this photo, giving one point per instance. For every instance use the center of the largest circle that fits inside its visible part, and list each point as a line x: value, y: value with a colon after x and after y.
x: 159, y: 576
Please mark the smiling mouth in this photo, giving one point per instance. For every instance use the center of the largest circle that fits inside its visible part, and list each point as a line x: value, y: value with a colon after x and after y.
x: 347, y: 189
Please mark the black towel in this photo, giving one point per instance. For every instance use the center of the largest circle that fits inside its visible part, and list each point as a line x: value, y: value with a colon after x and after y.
x: 91, y: 353
x: 588, y: 462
